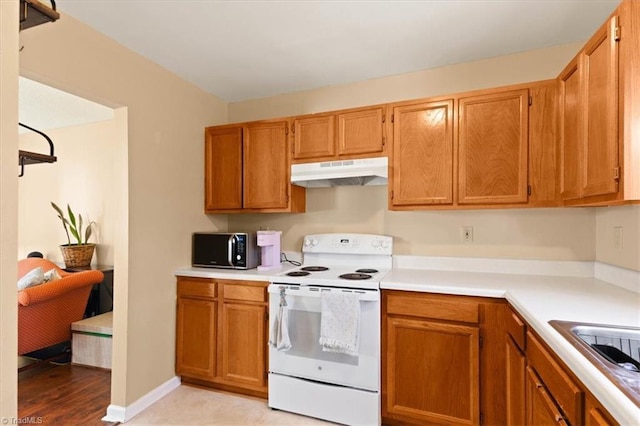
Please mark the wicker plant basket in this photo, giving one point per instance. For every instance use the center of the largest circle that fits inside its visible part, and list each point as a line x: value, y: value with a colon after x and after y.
x: 77, y: 255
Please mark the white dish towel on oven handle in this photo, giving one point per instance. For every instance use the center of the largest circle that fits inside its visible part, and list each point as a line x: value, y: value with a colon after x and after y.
x: 340, y: 322
x: 279, y: 338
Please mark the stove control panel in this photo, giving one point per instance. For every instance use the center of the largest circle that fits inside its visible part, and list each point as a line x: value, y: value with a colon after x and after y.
x: 348, y: 244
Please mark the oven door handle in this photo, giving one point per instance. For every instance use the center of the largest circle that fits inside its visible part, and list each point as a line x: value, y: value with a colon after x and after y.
x: 316, y: 292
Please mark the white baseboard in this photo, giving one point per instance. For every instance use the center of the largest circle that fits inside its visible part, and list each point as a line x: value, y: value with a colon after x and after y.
x: 117, y: 413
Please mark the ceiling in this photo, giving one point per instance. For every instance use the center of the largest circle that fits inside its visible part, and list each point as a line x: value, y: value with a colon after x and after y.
x: 43, y: 107
x: 239, y: 50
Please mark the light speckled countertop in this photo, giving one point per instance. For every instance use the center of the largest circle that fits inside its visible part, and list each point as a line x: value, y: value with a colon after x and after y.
x: 538, y: 298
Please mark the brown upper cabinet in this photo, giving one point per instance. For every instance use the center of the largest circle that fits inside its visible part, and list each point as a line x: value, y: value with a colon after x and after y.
x: 492, y: 146
x: 223, y: 168
x: 247, y: 169
x: 589, y: 117
x: 353, y: 133
x: 599, y: 103
x: 314, y: 137
x: 570, y: 131
x: 573, y: 140
x: 422, y: 157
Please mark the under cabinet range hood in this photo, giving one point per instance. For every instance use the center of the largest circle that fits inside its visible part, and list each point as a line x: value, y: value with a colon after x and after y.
x: 365, y: 171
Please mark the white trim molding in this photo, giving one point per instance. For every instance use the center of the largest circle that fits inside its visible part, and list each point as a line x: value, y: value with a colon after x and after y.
x: 117, y: 413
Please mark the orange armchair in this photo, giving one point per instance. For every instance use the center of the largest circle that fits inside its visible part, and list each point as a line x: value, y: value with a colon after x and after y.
x: 46, y: 311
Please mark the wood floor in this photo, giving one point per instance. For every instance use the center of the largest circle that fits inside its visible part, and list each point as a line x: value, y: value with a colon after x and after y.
x: 64, y: 395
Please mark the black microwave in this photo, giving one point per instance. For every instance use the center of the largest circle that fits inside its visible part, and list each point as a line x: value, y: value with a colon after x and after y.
x: 234, y: 250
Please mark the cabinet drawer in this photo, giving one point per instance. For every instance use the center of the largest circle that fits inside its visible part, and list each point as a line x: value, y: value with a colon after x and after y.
x: 196, y: 287
x: 449, y: 308
x: 247, y: 291
x: 517, y: 329
x: 566, y: 393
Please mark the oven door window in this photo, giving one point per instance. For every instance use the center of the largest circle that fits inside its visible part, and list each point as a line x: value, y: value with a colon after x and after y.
x: 306, y: 359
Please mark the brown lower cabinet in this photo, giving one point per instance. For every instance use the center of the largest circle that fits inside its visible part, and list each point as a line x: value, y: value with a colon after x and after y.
x: 436, y: 367
x: 516, y: 376
x: 541, y: 409
x: 461, y: 360
x: 540, y: 389
x: 221, y: 334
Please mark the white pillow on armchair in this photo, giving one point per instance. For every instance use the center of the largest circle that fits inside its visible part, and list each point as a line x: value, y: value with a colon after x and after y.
x: 31, y: 278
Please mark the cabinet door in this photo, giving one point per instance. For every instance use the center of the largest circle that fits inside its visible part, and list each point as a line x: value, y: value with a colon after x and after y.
x: 492, y: 146
x: 432, y: 372
x: 541, y: 409
x: 243, y: 345
x: 266, y: 166
x: 600, y: 156
x: 543, y: 144
x: 195, y: 338
x: 223, y: 168
x: 314, y: 137
x: 422, y: 160
x: 360, y: 132
x: 567, y: 394
x: 571, y: 132
x: 516, y: 365
x: 595, y: 415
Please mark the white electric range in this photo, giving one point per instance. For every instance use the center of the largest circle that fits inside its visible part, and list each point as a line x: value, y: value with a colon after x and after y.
x: 305, y: 378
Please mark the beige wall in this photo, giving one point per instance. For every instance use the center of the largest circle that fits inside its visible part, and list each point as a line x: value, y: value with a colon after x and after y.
x: 83, y: 177
x: 519, y: 233
x: 534, y: 65
x: 626, y: 254
x: 8, y: 207
x: 161, y: 188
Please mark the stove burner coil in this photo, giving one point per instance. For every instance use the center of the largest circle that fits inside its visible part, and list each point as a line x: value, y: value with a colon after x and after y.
x: 367, y: 271
x: 298, y: 273
x: 314, y: 268
x: 355, y: 276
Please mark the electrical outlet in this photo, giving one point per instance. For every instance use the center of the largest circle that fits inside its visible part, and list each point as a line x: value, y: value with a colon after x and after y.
x: 617, y: 237
x: 467, y: 234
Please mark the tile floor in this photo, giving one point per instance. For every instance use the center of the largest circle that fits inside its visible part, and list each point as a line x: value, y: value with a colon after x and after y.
x: 193, y: 406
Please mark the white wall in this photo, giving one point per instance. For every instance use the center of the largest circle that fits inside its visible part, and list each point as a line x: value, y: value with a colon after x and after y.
x: 565, y: 234
x: 83, y: 177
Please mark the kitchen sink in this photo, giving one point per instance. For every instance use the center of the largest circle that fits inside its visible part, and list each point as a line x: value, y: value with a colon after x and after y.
x: 614, y: 350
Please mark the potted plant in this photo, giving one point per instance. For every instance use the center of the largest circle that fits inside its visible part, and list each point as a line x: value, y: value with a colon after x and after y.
x: 76, y: 254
